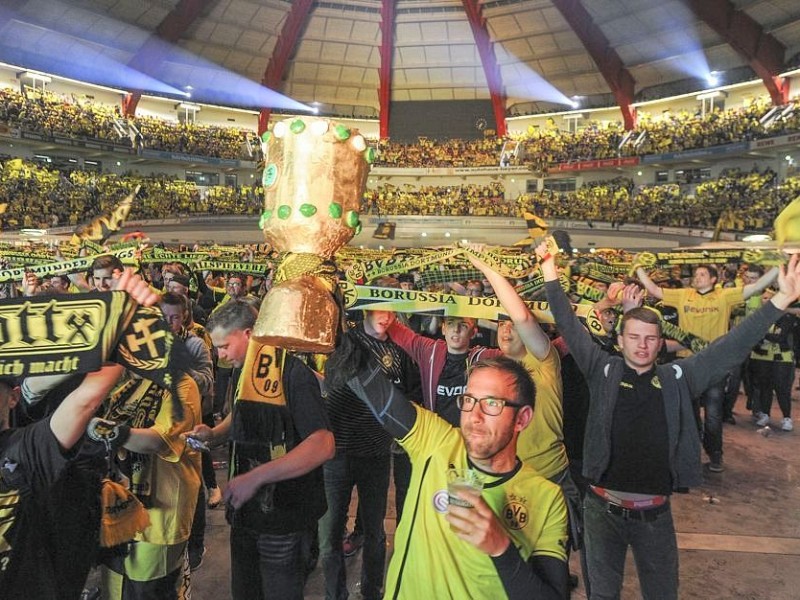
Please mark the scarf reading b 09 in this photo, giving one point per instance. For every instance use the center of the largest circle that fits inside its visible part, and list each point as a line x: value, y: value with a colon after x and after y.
x: 261, y: 429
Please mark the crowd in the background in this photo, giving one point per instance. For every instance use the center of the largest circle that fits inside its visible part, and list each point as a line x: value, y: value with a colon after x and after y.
x: 432, y: 153
x: 51, y: 114
x: 670, y: 132
x: 745, y: 201
x: 458, y: 200
x: 37, y: 196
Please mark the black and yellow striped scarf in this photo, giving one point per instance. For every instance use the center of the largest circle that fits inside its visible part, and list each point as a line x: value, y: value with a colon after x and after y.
x: 136, y: 402
x: 261, y: 428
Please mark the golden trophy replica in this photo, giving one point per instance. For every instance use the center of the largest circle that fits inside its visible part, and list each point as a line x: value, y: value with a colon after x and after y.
x: 315, y: 171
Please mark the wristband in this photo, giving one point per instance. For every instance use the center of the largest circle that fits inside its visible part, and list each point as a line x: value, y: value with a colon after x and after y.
x: 545, y: 258
x: 108, y: 432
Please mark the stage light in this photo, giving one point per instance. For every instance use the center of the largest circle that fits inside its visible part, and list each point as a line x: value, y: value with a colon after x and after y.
x: 34, y: 76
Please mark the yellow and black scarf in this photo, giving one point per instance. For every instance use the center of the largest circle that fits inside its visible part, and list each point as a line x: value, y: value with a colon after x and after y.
x: 262, y: 428
x: 136, y: 402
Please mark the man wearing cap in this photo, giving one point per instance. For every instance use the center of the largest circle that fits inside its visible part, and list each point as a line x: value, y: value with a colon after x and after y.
x: 443, y: 363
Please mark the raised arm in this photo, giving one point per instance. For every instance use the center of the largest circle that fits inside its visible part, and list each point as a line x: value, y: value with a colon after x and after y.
x: 731, y: 349
x: 351, y: 365
x: 788, y: 283
x: 69, y: 420
x: 535, y: 340
x: 649, y: 284
x: 760, y: 284
x: 579, y: 340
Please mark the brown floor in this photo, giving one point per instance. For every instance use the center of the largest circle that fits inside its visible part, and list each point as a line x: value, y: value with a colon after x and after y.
x: 738, y: 534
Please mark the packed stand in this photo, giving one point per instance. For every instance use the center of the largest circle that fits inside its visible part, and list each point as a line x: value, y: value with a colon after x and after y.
x: 52, y: 114
x: 459, y: 200
x: 744, y: 201
x: 36, y: 196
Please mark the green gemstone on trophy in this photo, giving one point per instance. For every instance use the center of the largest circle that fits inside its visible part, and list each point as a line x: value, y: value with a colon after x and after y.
x: 335, y: 210
x: 266, y: 136
x: 297, y: 126
x: 351, y: 218
x: 308, y: 210
x: 369, y: 155
x: 270, y: 175
x: 342, y: 132
x: 264, y: 218
x: 284, y: 211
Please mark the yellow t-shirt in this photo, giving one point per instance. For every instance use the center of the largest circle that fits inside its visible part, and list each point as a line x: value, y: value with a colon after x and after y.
x: 176, y: 471
x: 541, y: 443
x: 429, y: 560
x: 704, y: 315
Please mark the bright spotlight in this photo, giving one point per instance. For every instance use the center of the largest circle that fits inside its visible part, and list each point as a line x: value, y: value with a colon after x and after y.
x: 713, y: 79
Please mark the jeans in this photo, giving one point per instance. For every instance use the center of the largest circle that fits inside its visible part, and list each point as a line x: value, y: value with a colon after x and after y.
x: 655, y: 551
x: 265, y: 565
x: 207, y: 461
x: 197, y: 536
x: 777, y: 376
x: 712, y: 401
x: 370, y: 475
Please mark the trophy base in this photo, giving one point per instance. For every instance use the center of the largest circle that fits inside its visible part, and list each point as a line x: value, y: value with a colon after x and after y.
x: 300, y: 315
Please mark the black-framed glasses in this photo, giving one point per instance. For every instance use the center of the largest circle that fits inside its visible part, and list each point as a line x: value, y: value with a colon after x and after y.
x: 489, y: 405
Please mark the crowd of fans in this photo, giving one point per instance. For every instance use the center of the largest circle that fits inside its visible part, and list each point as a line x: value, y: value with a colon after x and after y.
x: 670, y: 132
x: 460, y: 200
x: 447, y: 153
x: 35, y: 196
x: 744, y: 201
x: 38, y: 196
x: 51, y: 114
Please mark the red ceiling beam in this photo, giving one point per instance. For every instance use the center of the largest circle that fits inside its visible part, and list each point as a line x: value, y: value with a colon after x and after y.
x: 276, y: 67
x: 170, y: 30
x: 605, y: 57
x: 490, y: 67
x: 763, y: 52
x: 385, y: 72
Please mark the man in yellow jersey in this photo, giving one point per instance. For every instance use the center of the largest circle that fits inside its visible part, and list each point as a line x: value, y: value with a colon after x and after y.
x: 705, y: 311
x: 541, y: 444
x: 512, y: 541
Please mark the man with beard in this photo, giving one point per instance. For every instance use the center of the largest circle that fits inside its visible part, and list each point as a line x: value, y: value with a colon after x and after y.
x: 515, y: 529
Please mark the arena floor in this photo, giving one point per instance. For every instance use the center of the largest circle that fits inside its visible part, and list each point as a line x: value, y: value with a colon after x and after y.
x: 738, y: 534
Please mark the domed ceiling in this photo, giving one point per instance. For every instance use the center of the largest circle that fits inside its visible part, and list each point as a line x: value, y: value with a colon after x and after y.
x: 355, y: 57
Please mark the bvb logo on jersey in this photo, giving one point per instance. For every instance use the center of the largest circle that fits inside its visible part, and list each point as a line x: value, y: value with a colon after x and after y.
x: 515, y: 515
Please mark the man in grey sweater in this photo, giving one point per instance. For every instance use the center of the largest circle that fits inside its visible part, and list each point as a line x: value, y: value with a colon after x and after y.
x: 641, y: 441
